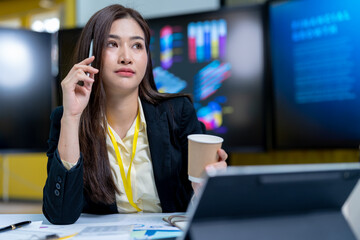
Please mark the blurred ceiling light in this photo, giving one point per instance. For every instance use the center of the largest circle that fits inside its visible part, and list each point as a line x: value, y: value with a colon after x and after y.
x: 50, y: 25
x: 38, y: 26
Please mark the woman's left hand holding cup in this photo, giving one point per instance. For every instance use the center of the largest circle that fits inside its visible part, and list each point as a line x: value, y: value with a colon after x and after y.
x: 221, y: 164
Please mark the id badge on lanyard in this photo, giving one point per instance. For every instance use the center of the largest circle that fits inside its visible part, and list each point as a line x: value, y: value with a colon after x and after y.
x: 127, y: 179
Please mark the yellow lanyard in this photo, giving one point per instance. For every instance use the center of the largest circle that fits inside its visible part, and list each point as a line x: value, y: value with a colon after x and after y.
x: 126, y: 180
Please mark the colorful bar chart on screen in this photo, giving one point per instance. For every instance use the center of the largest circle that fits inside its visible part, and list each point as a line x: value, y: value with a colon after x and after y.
x: 210, y: 78
x: 207, y: 40
x: 212, y: 114
x: 167, y: 82
x: 171, y: 43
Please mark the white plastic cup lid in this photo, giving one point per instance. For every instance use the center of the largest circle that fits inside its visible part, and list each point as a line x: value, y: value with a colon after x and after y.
x: 205, y: 138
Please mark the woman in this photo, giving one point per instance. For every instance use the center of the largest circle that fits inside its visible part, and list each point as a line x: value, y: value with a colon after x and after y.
x: 117, y: 123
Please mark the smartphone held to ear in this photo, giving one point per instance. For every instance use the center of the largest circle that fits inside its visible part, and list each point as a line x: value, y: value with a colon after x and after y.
x: 81, y: 83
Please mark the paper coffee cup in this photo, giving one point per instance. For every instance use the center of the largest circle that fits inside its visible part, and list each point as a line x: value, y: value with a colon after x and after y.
x: 202, y: 150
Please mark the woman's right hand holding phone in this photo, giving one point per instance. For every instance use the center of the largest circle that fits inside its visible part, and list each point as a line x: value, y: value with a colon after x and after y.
x: 76, y: 96
x: 75, y: 99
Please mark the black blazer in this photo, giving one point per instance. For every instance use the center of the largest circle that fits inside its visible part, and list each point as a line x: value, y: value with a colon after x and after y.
x: 168, y: 125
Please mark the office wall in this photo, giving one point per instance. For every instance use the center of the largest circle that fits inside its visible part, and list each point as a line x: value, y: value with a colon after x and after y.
x: 148, y: 8
x: 23, y: 10
x: 22, y: 176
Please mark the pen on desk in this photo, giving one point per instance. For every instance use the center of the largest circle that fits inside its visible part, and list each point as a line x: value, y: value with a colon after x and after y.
x: 15, y: 226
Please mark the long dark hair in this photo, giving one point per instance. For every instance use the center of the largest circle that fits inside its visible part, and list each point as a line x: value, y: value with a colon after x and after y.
x: 98, y: 182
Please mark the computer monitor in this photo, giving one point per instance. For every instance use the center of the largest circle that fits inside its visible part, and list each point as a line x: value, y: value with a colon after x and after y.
x: 315, y: 70
x: 301, y: 201
x: 25, y: 90
x: 218, y: 57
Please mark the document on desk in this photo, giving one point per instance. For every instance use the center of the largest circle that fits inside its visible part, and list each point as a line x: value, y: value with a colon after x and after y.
x: 105, y: 232
x: 140, y: 221
x: 80, y: 232
x: 105, y: 227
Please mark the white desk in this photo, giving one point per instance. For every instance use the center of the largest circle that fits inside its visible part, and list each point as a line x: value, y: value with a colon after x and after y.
x: 132, y: 226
